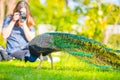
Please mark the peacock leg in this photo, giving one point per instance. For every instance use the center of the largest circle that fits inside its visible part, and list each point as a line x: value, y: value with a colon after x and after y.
x: 41, y: 59
x: 51, y: 59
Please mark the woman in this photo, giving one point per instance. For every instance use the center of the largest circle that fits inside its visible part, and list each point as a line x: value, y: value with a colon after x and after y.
x: 18, y: 30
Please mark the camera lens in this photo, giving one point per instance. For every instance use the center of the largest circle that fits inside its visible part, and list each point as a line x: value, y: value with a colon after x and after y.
x: 22, y: 16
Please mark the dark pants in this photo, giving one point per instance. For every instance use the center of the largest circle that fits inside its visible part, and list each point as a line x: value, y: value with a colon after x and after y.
x: 24, y: 54
x: 20, y: 54
x: 4, y: 55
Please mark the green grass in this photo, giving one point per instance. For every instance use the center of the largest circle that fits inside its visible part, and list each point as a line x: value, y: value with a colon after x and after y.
x: 69, y: 68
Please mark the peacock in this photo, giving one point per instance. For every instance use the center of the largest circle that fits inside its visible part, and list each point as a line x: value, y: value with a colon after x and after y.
x: 89, y: 50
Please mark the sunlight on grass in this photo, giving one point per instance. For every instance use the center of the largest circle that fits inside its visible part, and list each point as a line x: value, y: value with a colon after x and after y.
x: 68, y: 68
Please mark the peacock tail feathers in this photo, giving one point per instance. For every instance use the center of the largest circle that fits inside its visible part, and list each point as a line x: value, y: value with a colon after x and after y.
x: 86, y: 49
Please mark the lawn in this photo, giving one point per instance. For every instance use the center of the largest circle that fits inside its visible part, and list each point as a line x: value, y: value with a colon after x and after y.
x: 68, y: 68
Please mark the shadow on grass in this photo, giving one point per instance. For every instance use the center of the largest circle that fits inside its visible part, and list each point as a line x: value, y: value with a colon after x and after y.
x: 13, y: 72
x: 31, y: 66
x: 17, y: 70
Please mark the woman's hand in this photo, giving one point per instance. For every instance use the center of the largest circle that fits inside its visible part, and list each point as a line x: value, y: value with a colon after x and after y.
x: 8, y: 29
x: 22, y: 24
x: 16, y: 16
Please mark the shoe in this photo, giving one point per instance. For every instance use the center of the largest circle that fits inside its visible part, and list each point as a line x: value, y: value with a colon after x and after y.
x: 25, y: 59
x: 1, y: 57
x: 31, y: 58
x: 4, y: 54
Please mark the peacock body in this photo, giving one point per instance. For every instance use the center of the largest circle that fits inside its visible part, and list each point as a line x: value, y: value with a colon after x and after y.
x: 86, y: 49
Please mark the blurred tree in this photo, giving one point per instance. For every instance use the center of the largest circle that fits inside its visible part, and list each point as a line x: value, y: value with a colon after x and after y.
x: 55, y: 12
x: 2, y: 42
x: 10, y: 5
x: 1, y: 13
x: 59, y: 14
x: 98, y: 15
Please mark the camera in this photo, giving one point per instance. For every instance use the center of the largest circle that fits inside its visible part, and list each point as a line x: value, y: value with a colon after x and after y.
x: 22, y: 16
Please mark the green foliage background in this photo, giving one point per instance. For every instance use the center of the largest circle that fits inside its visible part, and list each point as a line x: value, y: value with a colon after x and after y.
x: 54, y: 12
x: 2, y: 41
x: 58, y: 14
x: 114, y: 40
